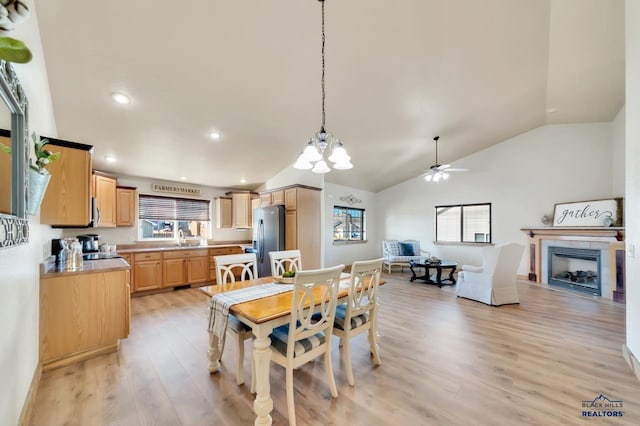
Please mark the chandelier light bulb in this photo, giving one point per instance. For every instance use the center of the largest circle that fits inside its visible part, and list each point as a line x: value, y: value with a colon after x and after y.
x: 343, y: 166
x: 302, y: 164
x: 339, y: 154
x: 437, y: 177
x: 311, y: 153
x: 428, y: 178
x: 445, y: 175
x: 321, y: 167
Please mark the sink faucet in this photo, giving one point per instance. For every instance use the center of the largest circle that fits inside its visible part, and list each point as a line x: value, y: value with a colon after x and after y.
x: 180, y: 237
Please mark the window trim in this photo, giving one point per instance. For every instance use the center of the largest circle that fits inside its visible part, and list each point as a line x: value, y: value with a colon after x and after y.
x: 462, y: 242
x: 175, y: 221
x: 363, y: 232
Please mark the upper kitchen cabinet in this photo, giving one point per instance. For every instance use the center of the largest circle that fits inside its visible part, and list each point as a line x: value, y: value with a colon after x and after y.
x: 104, y: 190
x: 224, y: 210
x: 241, y: 209
x: 67, y: 201
x: 125, y: 206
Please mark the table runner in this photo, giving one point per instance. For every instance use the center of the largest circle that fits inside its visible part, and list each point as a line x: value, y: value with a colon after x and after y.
x: 220, y: 303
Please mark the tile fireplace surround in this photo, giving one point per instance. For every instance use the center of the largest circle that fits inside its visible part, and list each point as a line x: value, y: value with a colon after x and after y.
x: 609, y: 241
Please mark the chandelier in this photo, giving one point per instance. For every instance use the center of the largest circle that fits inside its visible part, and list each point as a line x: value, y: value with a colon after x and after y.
x: 323, y: 143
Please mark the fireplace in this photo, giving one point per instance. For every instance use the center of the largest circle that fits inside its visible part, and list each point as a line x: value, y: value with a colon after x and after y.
x: 575, y: 268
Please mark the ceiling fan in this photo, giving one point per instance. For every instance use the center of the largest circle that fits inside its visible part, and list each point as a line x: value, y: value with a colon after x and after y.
x: 439, y: 172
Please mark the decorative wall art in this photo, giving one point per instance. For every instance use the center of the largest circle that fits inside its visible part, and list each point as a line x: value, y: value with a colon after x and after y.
x: 589, y: 213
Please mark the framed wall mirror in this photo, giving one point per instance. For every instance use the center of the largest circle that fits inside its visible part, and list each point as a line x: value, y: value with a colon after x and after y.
x: 14, y: 225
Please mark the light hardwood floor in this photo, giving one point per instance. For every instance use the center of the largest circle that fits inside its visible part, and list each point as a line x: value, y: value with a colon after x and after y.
x: 446, y: 361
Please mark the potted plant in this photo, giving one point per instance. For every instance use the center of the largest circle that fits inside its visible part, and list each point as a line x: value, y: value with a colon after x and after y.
x: 38, y: 173
x: 13, y: 12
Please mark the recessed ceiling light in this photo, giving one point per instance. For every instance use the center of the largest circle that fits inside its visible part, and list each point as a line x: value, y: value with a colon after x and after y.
x: 121, y: 98
x: 183, y: 177
x: 215, y: 135
x: 552, y: 110
x: 110, y: 159
x: 243, y: 180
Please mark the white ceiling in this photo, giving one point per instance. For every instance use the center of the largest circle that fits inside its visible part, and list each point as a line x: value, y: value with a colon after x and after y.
x: 397, y: 74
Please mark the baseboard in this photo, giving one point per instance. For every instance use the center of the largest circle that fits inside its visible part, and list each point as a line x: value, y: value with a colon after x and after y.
x: 27, y: 408
x: 522, y: 277
x: 631, y: 360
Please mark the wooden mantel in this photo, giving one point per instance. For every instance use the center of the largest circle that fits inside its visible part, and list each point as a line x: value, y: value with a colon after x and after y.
x: 612, y: 235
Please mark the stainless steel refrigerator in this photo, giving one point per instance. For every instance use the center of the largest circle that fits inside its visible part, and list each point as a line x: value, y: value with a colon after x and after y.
x: 268, y: 235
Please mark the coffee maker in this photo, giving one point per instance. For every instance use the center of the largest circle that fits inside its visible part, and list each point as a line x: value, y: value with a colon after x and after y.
x: 89, y: 243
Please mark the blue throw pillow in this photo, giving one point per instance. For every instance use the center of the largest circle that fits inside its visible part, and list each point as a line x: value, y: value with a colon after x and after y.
x: 406, y: 249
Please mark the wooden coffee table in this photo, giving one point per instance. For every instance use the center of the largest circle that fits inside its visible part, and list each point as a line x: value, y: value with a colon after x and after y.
x: 439, y: 267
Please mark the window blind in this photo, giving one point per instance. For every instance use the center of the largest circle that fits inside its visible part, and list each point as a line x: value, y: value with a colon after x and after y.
x: 168, y: 208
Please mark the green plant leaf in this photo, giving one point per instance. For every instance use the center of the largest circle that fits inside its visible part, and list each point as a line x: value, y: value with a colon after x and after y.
x: 13, y: 50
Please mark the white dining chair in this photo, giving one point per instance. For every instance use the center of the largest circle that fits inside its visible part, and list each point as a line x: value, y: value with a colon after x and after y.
x: 359, y: 313
x: 283, y: 261
x: 227, y: 267
x: 306, y: 338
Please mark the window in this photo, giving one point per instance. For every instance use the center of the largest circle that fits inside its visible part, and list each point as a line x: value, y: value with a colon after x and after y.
x: 464, y: 223
x: 165, y: 217
x: 348, y: 224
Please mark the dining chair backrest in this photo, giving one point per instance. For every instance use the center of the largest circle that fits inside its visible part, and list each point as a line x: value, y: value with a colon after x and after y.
x: 225, y: 266
x: 363, y: 288
x: 315, y: 291
x: 283, y: 261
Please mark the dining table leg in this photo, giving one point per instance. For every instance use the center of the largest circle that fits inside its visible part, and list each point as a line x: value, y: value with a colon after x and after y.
x: 263, y: 404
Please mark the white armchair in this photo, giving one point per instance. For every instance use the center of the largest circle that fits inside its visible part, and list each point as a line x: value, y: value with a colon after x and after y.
x: 493, y: 283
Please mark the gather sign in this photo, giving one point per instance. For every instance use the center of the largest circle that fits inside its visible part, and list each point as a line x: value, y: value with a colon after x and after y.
x: 588, y: 213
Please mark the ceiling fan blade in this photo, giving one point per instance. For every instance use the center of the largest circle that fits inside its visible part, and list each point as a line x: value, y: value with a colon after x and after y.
x: 444, y: 166
x: 457, y: 170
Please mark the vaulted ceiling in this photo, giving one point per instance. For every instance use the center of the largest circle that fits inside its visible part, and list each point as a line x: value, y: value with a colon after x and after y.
x: 397, y: 74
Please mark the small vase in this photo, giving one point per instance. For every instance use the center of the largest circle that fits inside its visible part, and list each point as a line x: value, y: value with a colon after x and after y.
x: 37, y: 187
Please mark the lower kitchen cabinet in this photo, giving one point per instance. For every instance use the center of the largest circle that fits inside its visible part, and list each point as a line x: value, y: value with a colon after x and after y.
x: 197, y: 269
x: 154, y: 270
x: 82, y: 315
x: 173, y: 271
x: 147, y: 270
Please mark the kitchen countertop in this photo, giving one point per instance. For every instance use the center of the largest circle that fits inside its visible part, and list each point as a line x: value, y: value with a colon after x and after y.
x: 49, y: 270
x: 172, y: 248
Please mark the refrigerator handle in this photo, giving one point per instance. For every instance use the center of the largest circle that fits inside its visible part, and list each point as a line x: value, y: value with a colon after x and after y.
x: 261, y: 240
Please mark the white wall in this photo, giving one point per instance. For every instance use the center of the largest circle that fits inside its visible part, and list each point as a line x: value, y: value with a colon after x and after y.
x: 19, y: 273
x: 522, y: 177
x: 291, y: 176
x: 129, y: 235
x: 618, y: 154
x: 632, y: 196
x: 347, y: 254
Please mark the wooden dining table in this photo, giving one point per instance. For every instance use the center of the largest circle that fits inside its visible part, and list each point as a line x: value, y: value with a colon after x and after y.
x: 262, y: 315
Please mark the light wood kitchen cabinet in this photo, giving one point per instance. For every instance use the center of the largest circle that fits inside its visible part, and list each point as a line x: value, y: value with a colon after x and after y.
x: 147, y: 270
x: 104, y: 190
x: 241, y: 209
x: 67, y: 201
x: 128, y: 257
x: 82, y: 315
x: 277, y: 198
x: 223, y: 212
x: 290, y: 230
x: 265, y: 199
x: 173, y: 269
x: 290, y: 198
x: 125, y: 206
x: 197, y: 266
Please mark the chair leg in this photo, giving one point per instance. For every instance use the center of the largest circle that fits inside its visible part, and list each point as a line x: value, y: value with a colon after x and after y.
x: 373, y: 345
x: 239, y: 358
x: 347, y: 359
x: 330, y: 378
x: 291, y: 409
